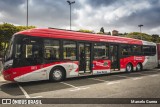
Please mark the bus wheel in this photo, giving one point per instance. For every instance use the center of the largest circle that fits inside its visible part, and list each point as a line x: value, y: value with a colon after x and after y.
x: 57, y: 74
x: 138, y: 67
x: 129, y: 67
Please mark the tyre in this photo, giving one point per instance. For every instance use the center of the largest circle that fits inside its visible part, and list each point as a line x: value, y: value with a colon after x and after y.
x: 139, y: 67
x: 57, y: 74
x: 129, y: 67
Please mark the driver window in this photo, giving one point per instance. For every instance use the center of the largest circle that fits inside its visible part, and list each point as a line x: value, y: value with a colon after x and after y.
x: 32, y: 49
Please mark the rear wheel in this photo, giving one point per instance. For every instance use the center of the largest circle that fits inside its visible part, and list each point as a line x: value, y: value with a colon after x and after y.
x: 57, y: 74
x: 129, y: 67
x: 139, y: 67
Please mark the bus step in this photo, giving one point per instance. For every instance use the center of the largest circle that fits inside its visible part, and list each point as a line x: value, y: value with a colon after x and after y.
x: 85, y: 74
x: 114, y: 69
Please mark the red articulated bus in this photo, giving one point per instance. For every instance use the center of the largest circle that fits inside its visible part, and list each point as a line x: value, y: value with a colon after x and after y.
x: 54, y: 54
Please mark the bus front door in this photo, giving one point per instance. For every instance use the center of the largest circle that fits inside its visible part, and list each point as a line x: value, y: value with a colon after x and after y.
x: 84, y: 57
x: 114, y: 54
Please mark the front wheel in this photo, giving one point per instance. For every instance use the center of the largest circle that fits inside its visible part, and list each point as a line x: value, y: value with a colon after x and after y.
x: 57, y: 74
x: 129, y: 68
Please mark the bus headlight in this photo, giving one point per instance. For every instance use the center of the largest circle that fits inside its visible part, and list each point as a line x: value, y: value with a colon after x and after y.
x: 7, y: 66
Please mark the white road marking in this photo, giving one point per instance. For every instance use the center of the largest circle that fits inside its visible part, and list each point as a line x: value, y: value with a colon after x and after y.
x: 155, y: 75
x: 37, y: 97
x: 69, y: 84
x: 24, y: 92
x: 77, y: 89
x: 137, y: 78
x: 110, y: 83
x: 97, y: 79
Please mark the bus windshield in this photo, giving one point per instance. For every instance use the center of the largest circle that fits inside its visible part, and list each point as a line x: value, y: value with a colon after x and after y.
x: 27, y: 51
x: 9, y: 50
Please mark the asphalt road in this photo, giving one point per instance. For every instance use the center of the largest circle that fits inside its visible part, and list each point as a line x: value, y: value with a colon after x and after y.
x: 145, y: 84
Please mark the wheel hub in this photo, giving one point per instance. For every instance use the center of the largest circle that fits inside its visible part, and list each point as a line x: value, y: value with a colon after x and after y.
x: 57, y: 74
x: 129, y: 68
x: 138, y: 67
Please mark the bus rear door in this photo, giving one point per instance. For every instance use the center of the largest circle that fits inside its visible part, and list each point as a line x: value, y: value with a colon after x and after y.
x: 84, y: 57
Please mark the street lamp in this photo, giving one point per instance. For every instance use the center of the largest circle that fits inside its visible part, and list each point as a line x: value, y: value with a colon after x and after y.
x: 27, y: 13
x: 140, y: 29
x: 70, y: 3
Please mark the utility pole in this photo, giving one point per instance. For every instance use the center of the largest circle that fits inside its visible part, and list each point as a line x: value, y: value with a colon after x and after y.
x: 70, y: 3
x: 27, y: 14
x: 140, y: 29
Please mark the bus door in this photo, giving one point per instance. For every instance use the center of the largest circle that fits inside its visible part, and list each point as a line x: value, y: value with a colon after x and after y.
x: 114, y: 55
x: 84, y: 57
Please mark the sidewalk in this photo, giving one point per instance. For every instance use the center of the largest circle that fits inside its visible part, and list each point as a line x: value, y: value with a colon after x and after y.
x: 1, y: 78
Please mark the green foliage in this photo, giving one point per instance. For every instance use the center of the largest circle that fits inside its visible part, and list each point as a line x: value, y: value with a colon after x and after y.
x: 109, y: 33
x: 86, y: 31
x: 6, y: 32
x: 100, y: 33
x: 155, y: 38
x: 102, y: 30
x: 138, y: 35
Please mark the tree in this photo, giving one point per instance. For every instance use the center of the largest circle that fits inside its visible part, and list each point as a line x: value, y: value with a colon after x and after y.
x: 6, y: 32
x: 109, y: 33
x: 155, y: 38
x: 102, y: 30
x: 86, y: 31
x: 138, y: 35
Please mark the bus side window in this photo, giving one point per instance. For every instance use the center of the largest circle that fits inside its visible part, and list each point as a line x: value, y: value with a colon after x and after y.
x: 126, y: 50
x: 69, y: 50
x: 137, y: 50
x: 51, y: 49
x: 101, y: 51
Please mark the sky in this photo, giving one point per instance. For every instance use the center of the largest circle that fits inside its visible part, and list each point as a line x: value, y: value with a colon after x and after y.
x: 121, y: 15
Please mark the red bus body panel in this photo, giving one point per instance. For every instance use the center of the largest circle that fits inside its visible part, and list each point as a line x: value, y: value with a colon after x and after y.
x: 101, y: 64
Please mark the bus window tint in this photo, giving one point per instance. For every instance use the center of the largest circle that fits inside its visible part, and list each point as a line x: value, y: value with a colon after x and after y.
x: 126, y: 50
x: 147, y: 50
x: 27, y: 51
x: 18, y: 50
x: 153, y: 50
x: 69, y: 50
x: 51, y: 49
x: 100, y: 51
x: 32, y: 50
x: 137, y: 50
x: 27, y: 48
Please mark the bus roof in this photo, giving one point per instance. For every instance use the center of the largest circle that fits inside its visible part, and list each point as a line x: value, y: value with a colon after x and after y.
x: 73, y: 35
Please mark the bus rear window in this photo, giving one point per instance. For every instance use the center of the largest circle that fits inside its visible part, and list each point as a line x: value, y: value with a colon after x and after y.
x: 149, y: 50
